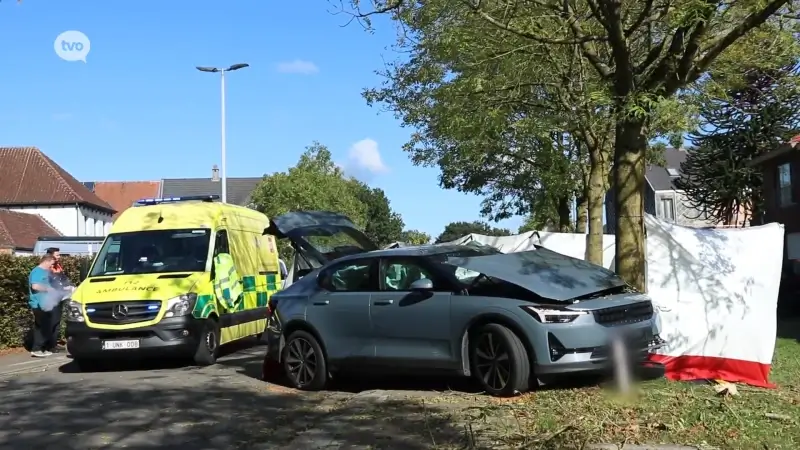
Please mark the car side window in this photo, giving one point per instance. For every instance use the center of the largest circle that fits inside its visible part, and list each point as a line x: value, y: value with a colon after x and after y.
x: 356, y: 276
x: 398, y: 275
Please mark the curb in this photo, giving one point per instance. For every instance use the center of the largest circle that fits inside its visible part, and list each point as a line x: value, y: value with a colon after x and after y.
x: 33, y: 366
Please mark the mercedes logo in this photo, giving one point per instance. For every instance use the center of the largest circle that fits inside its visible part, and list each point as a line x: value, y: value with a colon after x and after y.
x: 119, y: 312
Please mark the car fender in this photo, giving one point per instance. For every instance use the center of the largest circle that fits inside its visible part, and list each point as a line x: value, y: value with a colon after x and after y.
x: 495, y: 314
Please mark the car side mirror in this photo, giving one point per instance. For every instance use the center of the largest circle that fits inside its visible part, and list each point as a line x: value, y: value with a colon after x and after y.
x: 423, y: 284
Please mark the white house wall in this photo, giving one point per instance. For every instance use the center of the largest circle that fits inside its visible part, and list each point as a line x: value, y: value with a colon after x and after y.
x: 72, y: 220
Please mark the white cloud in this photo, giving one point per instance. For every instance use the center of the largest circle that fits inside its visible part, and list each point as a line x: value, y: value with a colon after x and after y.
x: 365, y: 158
x: 298, y: 66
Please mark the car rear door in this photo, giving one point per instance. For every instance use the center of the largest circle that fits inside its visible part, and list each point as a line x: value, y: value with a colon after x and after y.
x: 340, y: 309
x: 412, y: 328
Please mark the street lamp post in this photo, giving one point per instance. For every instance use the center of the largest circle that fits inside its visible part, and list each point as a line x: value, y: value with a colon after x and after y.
x: 222, y: 71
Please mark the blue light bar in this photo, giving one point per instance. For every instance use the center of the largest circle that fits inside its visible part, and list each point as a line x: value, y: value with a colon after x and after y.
x: 186, y: 198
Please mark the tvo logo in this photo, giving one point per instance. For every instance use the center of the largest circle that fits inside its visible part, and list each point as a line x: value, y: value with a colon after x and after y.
x: 72, y: 46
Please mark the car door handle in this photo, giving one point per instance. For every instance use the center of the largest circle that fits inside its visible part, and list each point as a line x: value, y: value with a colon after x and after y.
x: 383, y: 302
x: 322, y: 303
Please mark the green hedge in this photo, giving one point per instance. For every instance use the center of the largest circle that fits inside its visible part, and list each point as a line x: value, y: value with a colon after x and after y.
x: 15, y: 315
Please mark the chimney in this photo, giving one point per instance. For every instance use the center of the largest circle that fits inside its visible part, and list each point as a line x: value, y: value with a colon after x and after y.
x: 215, y: 173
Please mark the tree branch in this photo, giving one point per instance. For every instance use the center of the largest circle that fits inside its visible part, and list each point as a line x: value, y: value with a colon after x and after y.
x: 717, y: 47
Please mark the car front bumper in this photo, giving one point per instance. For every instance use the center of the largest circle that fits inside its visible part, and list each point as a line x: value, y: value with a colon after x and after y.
x: 171, y: 337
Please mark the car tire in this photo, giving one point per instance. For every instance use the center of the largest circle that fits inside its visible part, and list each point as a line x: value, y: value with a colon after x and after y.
x: 499, y: 361
x: 208, y: 344
x: 304, y: 362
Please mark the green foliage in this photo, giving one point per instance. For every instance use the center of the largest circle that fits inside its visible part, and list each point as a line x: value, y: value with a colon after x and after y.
x: 384, y: 226
x: 15, y: 315
x: 455, y: 230
x: 317, y: 183
x: 642, y: 55
x: 415, y: 237
x: 749, y: 120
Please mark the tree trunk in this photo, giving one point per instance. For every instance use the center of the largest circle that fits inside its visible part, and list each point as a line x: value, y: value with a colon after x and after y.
x: 582, y: 203
x: 595, y: 195
x: 564, y: 217
x: 629, y: 169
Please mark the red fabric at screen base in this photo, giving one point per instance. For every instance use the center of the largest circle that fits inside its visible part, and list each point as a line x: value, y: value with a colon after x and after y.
x: 687, y: 368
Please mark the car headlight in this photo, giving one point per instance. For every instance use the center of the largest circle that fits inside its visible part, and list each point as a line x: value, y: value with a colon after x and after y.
x: 181, y: 305
x: 74, y: 311
x: 553, y: 314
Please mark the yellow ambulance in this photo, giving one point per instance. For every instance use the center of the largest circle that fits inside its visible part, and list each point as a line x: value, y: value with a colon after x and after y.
x: 175, y: 277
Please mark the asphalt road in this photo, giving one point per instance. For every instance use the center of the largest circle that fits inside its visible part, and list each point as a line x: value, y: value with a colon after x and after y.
x: 220, y: 407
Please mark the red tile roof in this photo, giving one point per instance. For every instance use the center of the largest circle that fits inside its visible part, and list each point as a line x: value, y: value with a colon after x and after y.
x: 121, y: 194
x: 19, y: 231
x: 29, y: 177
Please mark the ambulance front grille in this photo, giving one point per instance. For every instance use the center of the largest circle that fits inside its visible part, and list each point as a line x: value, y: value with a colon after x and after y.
x: 120, y: 313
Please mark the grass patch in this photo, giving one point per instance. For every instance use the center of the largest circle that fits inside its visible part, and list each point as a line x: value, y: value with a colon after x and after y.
x: 661, y: 412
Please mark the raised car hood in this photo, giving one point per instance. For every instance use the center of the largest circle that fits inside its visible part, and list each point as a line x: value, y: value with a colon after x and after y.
x: 544, y: 272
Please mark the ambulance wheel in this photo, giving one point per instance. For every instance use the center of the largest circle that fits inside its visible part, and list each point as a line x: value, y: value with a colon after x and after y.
x: 304, y: 362
x: 208, y: 344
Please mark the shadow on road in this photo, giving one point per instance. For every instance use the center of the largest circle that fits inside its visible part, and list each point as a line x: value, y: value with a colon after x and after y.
x: 170, y: 412
x: 233, y: 351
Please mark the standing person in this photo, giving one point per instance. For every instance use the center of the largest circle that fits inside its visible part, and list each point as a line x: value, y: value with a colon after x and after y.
x: 38, y: 288
x: 58, y: 280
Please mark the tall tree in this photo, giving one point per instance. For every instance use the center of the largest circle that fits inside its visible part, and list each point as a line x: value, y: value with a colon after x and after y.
x: 752, y: 117
x: 643, y: 51
x: 383, y: 226
x: 455, y: 230
x: 315, y: 183
x: 415, y: 237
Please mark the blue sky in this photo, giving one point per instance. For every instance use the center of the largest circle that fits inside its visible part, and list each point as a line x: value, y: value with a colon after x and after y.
x: 138, y: 110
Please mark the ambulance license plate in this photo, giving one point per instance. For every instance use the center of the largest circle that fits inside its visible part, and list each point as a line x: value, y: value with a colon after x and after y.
x: 120, y: 345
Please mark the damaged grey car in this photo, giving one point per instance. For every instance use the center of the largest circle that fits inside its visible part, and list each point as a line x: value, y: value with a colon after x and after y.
x: 510, y: 321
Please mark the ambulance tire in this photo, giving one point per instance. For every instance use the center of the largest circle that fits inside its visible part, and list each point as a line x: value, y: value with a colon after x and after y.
x: 208, y: 344
x: 304, y: 362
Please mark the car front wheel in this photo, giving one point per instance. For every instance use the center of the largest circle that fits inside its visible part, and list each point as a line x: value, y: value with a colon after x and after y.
x: 304, y: 362
x: 499, y: 361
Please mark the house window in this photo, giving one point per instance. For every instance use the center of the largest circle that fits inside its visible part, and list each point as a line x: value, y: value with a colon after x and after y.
x: 668, y: 209
x: 785, y: 196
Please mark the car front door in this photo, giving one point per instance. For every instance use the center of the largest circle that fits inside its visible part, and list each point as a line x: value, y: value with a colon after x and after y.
x: 411, y: 328
x: 340, y: 309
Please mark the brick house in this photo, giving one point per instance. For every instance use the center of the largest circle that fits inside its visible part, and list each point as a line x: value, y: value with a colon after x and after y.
x: 121, y: 195
x: 781, y: 175
x: 30, y: 182
x: 663, y: 199
x: 239, y: 188
x: 19, y: 232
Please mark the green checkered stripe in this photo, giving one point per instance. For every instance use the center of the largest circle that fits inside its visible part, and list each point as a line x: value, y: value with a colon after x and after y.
x: 263, y: 285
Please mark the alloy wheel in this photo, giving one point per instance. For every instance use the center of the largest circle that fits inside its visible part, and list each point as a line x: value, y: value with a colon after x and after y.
x: 492, y: 361
x: 211, y: 341
x: 301, y: 362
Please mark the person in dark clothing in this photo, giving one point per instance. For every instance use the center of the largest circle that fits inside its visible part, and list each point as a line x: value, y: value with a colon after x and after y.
x: 38, y: 288
x: 59, y: 281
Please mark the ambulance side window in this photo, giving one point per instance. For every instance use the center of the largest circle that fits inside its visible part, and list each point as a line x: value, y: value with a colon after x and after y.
x: 220, y: 246
x: 221, y: 243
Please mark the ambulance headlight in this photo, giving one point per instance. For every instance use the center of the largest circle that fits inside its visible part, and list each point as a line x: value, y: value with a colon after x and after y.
x: 181, y: 305
x: 74, y: 311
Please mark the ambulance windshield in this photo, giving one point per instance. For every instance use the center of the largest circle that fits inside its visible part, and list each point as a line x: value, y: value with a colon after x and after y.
x: 161, y: 251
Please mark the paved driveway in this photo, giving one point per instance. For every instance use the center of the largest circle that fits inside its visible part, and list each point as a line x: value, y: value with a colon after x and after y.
x: 219, y: 407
